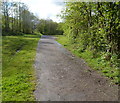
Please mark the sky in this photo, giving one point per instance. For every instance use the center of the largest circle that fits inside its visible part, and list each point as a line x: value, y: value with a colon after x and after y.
x: 47, y: 9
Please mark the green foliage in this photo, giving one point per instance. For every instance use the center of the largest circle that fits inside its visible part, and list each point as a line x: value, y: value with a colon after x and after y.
x: 94, y: 25
x: 17, y: 19
x: 18, y: 76
x: 48, y: 27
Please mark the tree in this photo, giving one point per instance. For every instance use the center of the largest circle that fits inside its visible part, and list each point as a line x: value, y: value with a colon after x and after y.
x: 17, y: 18
x: 93, y: 25
x: 48, y: 27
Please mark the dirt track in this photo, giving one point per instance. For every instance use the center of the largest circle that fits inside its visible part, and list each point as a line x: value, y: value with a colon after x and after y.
x: 63, y: 77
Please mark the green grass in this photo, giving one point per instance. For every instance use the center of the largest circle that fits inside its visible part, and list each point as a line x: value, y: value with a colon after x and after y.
x: 97, y: 63
x: 18, y: 76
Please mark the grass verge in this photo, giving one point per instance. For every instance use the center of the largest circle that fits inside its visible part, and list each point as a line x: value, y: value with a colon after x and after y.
x: 95, y: 61
x: 18, y: 76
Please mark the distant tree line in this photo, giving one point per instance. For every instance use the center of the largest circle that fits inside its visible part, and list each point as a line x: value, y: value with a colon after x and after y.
x: 17, y: 19
x: 48, y: 27
x: 94, y: 26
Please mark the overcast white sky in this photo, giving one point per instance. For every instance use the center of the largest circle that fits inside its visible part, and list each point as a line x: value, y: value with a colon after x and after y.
x: 44, y: 8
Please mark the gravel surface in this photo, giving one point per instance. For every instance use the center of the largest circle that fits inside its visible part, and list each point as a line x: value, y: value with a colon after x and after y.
x: 63, y: 77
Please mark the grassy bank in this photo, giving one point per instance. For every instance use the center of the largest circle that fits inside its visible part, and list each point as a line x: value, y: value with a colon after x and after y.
x: 95, y: 61
x: 18, y: 53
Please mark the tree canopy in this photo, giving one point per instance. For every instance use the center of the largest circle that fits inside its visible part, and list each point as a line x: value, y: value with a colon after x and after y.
x: 94, y: 25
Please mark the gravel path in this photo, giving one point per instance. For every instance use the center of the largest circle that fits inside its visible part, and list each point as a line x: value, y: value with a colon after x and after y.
x: 64, y: 77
